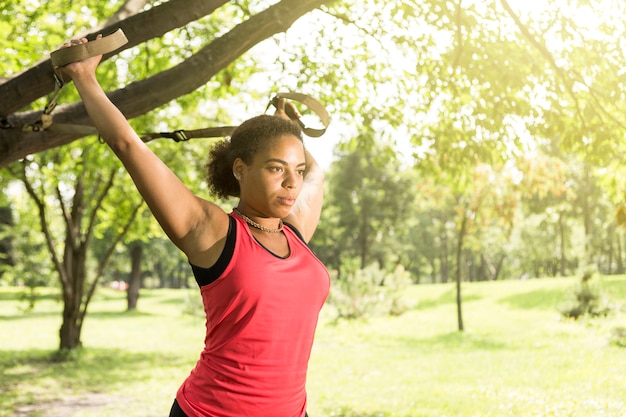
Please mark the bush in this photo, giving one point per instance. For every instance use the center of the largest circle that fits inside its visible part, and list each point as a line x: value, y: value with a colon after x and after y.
x: 586, y: 300
x: 395, y: 283
x: 192, y: 304
x: 618, y: 337
x: 355, y: 293
x: 358, y: 292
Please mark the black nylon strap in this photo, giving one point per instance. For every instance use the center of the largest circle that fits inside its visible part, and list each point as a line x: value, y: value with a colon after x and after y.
x: 223, y: 131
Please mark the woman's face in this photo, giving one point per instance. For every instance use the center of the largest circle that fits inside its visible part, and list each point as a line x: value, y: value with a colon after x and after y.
x: 272, y: 182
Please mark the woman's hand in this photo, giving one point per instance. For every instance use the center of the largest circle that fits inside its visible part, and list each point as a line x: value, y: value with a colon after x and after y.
x: 86, y: 67
x: 280, y: 109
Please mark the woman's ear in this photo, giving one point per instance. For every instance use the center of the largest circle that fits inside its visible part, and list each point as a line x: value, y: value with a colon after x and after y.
x: 238, y: 168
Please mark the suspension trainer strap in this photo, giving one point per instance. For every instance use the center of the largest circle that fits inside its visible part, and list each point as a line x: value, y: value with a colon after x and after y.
x: 110, y: 43
x: 74, y: 53
x: 67, y: 55
x: 216, y: 132
x: 185, y: 135
x: 313, y: 105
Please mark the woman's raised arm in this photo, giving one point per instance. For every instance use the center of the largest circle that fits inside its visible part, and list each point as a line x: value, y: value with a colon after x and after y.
x: 305, y: 214
x: 193, y: 224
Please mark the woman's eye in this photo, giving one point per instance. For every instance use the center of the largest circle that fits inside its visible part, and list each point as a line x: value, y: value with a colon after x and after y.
x: 275, y: 169
x: 301, y: 172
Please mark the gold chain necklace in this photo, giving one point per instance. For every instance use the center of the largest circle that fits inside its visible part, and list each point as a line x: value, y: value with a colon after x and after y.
x: 256, y: 225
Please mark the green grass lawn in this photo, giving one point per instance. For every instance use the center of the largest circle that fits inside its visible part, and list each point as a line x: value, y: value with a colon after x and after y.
x: 516, y: 357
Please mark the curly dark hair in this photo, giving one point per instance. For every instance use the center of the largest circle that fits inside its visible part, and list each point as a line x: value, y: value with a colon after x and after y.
x: 250, y: 137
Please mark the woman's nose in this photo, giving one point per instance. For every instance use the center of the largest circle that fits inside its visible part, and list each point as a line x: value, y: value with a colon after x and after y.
x: 290, y: 180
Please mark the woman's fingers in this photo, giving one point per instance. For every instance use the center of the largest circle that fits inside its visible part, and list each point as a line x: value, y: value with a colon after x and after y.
x: 285, y: 109
x: 294, y: 109
x: 280, y: 108
x: 80, y: 41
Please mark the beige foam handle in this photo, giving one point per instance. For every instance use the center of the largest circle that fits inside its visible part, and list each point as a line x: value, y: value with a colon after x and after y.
x: 109, y: 43
x: 313, y: 105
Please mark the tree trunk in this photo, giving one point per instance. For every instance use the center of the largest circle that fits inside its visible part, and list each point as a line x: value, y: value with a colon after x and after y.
x: 134, y: 281
x: 619, y: 255
x: 483, y: 273
x: 611, y: 250
x: 445, y: 265
x: 434, y: 269
x: 70, y: 332
x: 74, y: 262
x: 471, y: 266
x: 6, y: 241
x: 498, y: 268
x: 364, y: 236
x: 562, y: 257
x: 587, y: 219
x: 459, y: 256
x: 158, y: 270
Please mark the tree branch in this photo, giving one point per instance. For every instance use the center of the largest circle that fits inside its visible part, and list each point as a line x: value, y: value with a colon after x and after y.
x: 37, y: 81
x: 567, y: 81
x: 100, y: 199
x: 126, y: 10
x: 44, y: 225
x: 459, y: 34
x: 141, y: 97
x: 66, y: 215
x: 107, y: 256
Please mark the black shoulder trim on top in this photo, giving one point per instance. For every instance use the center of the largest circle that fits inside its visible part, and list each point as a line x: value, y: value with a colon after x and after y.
x: 296, y: 231
x: 205, y: 276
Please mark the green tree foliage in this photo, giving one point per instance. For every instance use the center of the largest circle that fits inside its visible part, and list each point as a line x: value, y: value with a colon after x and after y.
x: 72, y: 186
x: 76, y: 183
x: 510, y: 112
x: 24, y: 258
x: 370, y: 198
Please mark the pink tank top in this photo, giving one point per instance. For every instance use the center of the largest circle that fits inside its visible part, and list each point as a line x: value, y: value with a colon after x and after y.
x: 261, y: 315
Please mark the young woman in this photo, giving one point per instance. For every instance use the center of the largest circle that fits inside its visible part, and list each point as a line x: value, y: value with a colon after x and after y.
x: 261, y: 286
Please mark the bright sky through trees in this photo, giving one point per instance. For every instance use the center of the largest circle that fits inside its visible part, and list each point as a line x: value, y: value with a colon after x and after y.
x: 540, y: 15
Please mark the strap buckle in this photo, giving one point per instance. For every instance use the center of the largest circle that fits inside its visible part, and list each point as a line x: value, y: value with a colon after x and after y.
x: 177, y: 135
x: 42, y: 124
x: 58, y: 79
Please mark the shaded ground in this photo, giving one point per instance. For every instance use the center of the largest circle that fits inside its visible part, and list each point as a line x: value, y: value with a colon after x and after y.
x: 66, y: 407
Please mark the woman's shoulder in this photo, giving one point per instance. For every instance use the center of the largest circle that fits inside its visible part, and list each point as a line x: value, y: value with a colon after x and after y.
x: 295, y: 231
x: 205, y: 243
